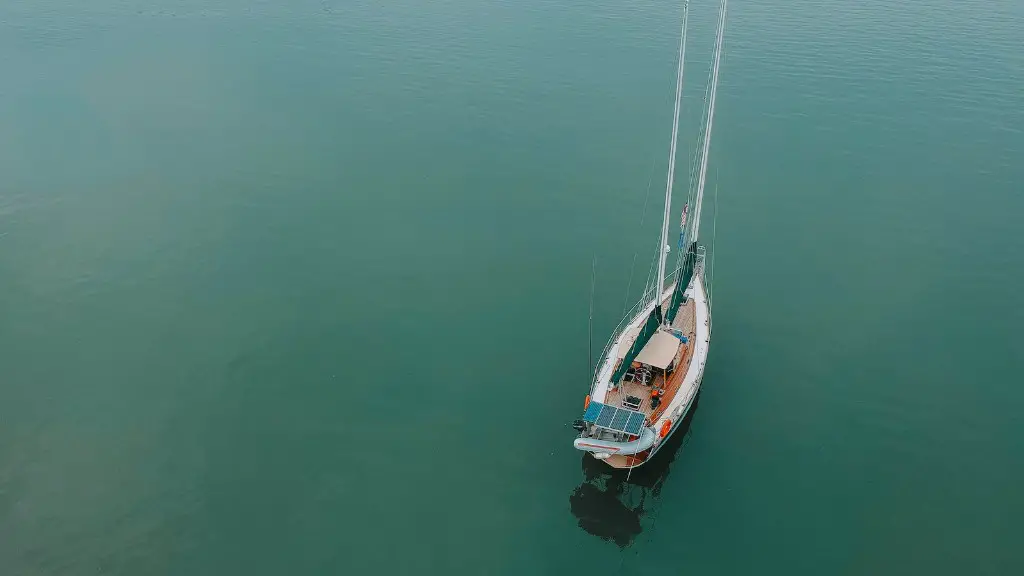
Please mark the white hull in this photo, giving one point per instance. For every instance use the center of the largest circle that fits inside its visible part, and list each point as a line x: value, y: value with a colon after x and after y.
x: 644, y: 359
x: 679, y: 405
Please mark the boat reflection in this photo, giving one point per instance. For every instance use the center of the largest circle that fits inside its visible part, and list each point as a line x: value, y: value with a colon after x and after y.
x: 610, y: 503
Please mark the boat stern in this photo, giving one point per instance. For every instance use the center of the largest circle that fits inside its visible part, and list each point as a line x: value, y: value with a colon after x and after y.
x: 607, y: 431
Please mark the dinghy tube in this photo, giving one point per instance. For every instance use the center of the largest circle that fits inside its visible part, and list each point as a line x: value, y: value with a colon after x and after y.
x: 609, y: 447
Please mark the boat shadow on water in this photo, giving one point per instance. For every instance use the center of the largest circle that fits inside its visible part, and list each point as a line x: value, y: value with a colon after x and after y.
x: 610, y: 503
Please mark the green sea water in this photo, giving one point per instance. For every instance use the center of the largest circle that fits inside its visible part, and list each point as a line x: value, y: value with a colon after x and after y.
x: 302, y: 287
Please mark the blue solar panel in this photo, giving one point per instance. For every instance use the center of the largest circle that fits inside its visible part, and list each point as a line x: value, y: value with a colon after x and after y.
x: 635, y: 423
x: 620, y: 419
x: 592, y: 411
x: 616, y: 419
x: 607, y: 414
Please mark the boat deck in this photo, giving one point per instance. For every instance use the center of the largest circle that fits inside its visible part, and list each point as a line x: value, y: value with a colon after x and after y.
x: 686, y: 322
x: 622, y: 461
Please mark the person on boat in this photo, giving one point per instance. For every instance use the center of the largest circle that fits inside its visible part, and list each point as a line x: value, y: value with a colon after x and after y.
x: 655, y: 396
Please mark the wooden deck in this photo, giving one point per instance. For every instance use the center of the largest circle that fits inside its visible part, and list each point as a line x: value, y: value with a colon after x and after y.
x: 685, y: 321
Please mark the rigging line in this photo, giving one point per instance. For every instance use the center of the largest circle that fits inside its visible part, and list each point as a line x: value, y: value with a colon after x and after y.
x: 695, y: 163
x: 696, y: 189
x: 672, y: 151
x: 590, y: 337
x: 629, y: 284
x: 692, y: 179
x: 714, y: 245
x: 649, y: 285
x: 711, y: 118
x: 714, y: 222
x: 643, y: 214
x: 700, y: 133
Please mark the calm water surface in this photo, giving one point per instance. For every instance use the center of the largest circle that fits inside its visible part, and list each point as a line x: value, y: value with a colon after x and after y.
x: 302, y: 287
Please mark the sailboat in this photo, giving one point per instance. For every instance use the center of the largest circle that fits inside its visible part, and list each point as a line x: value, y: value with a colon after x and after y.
x: 651, y: 369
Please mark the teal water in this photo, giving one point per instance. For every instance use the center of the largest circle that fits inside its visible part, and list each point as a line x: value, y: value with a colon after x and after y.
x: 302, y: 287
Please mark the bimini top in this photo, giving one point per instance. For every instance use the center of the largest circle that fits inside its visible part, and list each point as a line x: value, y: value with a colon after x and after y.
x: 660, y: 351
x: 614, y: 419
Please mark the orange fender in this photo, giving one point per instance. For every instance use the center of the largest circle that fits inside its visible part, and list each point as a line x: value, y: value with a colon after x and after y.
x: 586, y: 402
x: 665, y: 428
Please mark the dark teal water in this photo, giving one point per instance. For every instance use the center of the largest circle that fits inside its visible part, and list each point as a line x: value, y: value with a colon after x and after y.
x: 302, y: 287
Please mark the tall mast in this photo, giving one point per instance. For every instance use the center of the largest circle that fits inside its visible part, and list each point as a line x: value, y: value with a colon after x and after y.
x: 663, y: 247
x: 711, y: 116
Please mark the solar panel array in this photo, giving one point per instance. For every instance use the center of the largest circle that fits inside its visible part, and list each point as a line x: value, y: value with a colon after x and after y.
x: 615, y: 419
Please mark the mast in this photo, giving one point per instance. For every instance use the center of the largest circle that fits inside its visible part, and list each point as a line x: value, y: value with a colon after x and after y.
x: 711, y: 116
x: 663, y: 246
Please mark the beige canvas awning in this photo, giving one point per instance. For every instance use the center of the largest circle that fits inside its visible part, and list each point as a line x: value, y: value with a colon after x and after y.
x: 660, y: 350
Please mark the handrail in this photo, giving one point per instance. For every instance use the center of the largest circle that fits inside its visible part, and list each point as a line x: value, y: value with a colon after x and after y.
x: 644, y: 301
